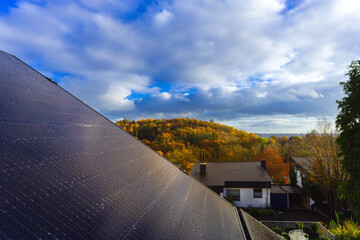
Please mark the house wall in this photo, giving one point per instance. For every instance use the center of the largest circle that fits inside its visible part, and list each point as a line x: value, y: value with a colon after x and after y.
x: 247, y: 199
x: 298, y: 178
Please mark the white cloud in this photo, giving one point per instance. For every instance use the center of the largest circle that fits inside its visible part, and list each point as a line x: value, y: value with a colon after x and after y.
x: 261, y: 94
x: 164, y: 96
x: 115, y: 99
x: 276, y: 124
x: 192, y: 58
x: 305, y: 92
x: 162, y: 18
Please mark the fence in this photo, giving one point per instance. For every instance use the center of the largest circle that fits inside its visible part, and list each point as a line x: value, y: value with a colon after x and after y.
x: 323, y: 232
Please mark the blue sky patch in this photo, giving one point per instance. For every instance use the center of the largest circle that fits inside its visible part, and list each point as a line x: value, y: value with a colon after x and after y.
x: 102, y: 51
x: 290, y: 5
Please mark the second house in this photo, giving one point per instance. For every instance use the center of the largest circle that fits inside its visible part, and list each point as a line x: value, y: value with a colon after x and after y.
x: 247, y: 182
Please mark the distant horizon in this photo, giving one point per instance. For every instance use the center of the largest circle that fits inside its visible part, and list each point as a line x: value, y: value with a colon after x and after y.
x: 268, y: 135
x: 280, y: 133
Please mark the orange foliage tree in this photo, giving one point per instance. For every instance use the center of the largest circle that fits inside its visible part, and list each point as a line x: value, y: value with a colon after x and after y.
x: 275, y: 165
x: 185, y: 141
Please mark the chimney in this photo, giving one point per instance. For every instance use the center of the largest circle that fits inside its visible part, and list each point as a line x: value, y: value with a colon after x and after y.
x: 202, y: 168
x: 263, y: 164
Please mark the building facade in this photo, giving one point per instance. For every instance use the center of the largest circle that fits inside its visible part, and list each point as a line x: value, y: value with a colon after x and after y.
x: 247, y: 183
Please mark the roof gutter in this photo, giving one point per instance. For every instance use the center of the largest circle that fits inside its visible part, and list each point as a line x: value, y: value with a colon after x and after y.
x: 246, y: 230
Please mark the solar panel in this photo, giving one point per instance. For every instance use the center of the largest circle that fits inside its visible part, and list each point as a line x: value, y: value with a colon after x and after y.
x: 69, y: 173
x: 257, y: 230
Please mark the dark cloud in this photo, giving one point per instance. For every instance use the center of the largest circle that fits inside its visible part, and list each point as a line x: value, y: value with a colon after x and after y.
x: 235, y: 61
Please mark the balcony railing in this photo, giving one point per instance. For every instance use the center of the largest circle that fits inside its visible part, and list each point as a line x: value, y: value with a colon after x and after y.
x: 323, y: 232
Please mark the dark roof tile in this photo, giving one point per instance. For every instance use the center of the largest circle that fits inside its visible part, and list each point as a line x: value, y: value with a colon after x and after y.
x: 302, y: 162
x: 284, y: 189
x: 219, y: 173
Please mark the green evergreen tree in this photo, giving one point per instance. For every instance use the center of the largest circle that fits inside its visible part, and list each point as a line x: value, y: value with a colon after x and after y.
x: 348, y: 123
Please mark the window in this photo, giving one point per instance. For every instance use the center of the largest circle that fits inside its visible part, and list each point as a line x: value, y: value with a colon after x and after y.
x: 257, y: 192
x: 234, y: 192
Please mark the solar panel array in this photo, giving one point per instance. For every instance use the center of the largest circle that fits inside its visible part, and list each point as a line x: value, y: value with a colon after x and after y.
x: 257, y: 230
x: 69, y: 173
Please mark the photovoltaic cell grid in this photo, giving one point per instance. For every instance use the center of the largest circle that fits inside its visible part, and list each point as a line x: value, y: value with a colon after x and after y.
x: 69, y: 173
x: 257, y: 230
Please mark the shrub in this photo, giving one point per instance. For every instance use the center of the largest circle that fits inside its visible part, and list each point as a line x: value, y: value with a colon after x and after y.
x: 254, y: 212
x: 350, y: 229
x: 307, y: 230
x: 266, y: 213
x: 289, y: 228
x: 230, y: 198
x: 263, y: 212
x: 299, y: 225
x: 271, y: 212
x: 314, y: 227
x: 285, y: 235
x: 277, y: 230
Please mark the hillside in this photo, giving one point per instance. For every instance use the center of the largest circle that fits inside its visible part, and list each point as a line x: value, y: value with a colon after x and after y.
x: 185, y: 141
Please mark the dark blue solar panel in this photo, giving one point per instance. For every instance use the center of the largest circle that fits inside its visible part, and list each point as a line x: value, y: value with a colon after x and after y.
x: 69, y: 173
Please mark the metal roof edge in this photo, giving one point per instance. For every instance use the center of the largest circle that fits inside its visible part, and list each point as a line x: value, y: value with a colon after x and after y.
x: 243, y: 223
x: 248, y: 215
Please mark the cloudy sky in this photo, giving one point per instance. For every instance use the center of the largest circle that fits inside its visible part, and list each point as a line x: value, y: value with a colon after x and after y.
x: 269, y: 66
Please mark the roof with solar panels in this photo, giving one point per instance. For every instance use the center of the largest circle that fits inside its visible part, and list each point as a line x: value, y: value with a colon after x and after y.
x: 67, y: 172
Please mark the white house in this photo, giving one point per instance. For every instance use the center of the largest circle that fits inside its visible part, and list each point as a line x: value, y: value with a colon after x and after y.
x: 247, y: 182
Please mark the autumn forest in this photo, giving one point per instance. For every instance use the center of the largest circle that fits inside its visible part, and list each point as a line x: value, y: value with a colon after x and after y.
x: 185, y: 141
